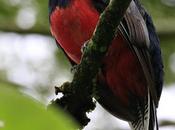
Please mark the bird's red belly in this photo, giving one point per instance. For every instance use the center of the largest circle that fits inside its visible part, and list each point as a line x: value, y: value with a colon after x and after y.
x: 122, y: 71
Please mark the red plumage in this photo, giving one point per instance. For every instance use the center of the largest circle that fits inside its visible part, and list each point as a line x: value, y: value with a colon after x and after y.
x: 73, y: 26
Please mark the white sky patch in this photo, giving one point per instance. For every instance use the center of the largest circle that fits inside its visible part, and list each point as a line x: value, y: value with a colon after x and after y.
x: 26, y: 18
x: 101, y: 119
x: 26, y: 59
x: 166, y: 109
x: 2, y: 124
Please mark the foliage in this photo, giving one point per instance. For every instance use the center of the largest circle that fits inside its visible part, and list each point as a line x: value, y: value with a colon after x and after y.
x: 19, y: 112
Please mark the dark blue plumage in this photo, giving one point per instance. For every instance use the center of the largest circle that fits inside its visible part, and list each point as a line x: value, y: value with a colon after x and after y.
x: 100, y: 5
x: 60, y: 3
x: 52, y: 5
x: 155, y: 53
x: 63, y: 3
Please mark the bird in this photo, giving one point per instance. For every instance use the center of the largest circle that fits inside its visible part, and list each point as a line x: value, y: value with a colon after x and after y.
x: 131, y: 77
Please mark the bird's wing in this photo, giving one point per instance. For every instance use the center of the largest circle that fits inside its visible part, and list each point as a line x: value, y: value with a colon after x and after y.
x: 71, y: 61
x: 135, y: 30
x: 52, y: 6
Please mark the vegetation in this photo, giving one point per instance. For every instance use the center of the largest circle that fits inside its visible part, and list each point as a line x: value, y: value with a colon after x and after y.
x: 19, y: 112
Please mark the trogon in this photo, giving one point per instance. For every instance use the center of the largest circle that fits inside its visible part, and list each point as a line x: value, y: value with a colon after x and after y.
x: 131, y: 76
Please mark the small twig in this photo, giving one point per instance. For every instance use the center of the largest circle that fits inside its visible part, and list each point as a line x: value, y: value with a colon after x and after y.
x: 167, y: 123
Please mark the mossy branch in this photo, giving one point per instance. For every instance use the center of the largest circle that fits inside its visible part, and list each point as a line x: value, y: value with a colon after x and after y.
x: 78, y: 94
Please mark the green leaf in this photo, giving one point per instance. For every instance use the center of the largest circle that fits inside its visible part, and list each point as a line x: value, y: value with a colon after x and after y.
x: 19, y: 112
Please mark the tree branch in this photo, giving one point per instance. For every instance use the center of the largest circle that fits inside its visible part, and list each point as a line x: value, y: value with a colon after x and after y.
x: 45, y: 31
x: 167, y: 123
x: 34, y: 30
x: 78, y: 94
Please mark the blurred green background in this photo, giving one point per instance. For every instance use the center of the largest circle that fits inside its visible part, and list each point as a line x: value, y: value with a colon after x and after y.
x: 30, y: 60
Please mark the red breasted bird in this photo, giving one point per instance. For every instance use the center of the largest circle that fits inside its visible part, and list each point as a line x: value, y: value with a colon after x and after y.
x: 131, y: 76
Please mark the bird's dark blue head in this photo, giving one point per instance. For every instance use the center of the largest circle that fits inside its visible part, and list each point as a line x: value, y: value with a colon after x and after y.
x: 60, y: 3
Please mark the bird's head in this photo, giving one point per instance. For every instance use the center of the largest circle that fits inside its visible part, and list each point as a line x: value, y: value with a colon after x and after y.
x: 58, y: 3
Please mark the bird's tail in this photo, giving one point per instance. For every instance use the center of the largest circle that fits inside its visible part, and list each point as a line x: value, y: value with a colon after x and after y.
x: 147, y: 117
x: 153, y: 123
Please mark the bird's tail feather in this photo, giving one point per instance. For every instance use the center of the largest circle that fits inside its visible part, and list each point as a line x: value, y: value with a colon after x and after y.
x: 153, y: 123
x: 147, y: 117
